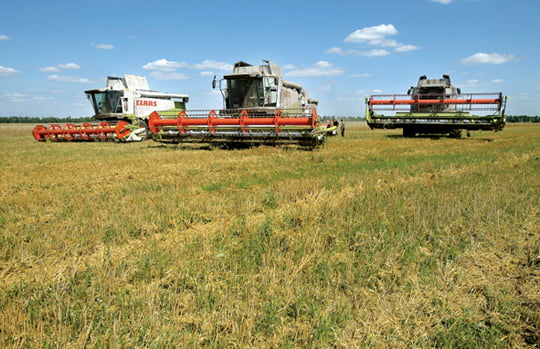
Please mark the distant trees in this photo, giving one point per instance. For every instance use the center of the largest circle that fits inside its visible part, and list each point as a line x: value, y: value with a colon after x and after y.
x: 347, y: 118
x: 522, y: 118
x: 38, y: 120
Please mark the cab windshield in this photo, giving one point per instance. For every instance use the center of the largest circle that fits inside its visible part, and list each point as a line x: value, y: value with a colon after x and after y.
x: 246, y: 93
x: 436, y: 92
x: 106, y: 102
x: 432, y: 93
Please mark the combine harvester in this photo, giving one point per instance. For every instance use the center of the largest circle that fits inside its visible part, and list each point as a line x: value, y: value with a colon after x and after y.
x: 121, y: 112
x: 434, y: 106
x: 259, y: 108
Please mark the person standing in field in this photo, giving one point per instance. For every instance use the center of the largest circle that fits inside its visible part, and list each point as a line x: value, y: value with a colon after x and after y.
x: 342, y: 128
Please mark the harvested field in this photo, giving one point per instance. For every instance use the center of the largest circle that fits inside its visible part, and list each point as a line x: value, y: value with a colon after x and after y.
x: 373, y: 240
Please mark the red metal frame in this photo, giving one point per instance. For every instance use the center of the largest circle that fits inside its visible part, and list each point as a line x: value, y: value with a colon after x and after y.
x: 435, y: 101
x: 464, y: 99
x: 244, y: 121
x: 86, y: 131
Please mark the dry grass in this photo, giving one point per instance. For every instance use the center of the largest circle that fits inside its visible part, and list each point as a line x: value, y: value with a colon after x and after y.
x: 371, y: 241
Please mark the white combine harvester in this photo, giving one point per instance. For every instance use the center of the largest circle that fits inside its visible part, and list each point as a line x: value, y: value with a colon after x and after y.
x: 435, y: 106
x: 260, y: 107
x: 121, y: 112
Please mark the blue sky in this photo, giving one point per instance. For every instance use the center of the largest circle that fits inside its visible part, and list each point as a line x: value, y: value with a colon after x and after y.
x: 340, y: 51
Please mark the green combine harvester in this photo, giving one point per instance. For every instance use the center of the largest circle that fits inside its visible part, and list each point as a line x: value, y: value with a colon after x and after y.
x: 434, y: 106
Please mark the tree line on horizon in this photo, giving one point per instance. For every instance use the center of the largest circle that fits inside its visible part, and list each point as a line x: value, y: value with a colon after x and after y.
x: 41, y: 120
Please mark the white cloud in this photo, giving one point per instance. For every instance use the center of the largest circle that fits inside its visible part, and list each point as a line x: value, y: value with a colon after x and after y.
x: 50, y: 69
x: 524, y: 96
x: 335, y: 50
x: 321, y: 68
x: 362, y: 75
x: 325, y: 88
x: 444, y: 2
x: 102, y: 46
x: 384, y: 43
x: 476, y: 83
x: 487, y: 58
x: 71, y: 79
x: 58, y: 67
x: 7, y: 71
x: 358, y: 95
x: 164, y: 65
x: 350, y: 99
x: 340, y: 52
x: 69, y: 66
x: 206, y: 73
x: 210, y: 64
x: 168, y: 75
x: 16, y: 97
x: 406, y: 48
x: 42, y: 99
x: 373, y: 53
x: 369, y: 53
x: 4, y: 37
x: 374, y: 34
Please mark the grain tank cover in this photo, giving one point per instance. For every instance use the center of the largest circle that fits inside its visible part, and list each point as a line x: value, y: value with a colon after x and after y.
x: 132, y: 82
x: 424, y: 82
x: 136, y: 82
x: 428, y: 88
x: 242, y: 68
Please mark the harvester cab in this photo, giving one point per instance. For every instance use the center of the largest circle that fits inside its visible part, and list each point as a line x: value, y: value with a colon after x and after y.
x: 263, y: 89
x: 259, y: 107
x: 112, y: 101
x: 121, y: 112
x: 131, y: 98
x: 433, y: 89
x: 435, y: 106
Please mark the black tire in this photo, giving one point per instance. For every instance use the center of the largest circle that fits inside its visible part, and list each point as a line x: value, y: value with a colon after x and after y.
x: 147, y: 133
x: 409, y: 132
x: 455, y: 133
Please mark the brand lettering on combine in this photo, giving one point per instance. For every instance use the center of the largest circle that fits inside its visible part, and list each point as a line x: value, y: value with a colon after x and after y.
x: 145, y: 103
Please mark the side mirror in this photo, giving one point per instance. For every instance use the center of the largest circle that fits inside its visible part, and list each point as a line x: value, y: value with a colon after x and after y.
x: 214, y: 83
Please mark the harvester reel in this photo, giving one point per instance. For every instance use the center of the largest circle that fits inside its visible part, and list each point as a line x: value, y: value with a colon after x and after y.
x: 239, y: 127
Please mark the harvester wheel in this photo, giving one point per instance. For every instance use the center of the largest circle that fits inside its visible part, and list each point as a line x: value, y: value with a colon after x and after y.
x: 139, y: 134
x: 409, y: 132
x: 455, y: 133
x: 146, y: 133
